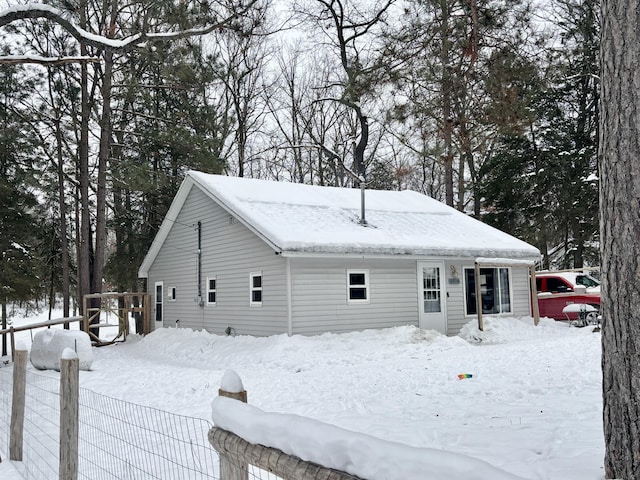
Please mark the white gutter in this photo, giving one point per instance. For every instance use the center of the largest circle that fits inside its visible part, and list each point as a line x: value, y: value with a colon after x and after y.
x: 526, y: 259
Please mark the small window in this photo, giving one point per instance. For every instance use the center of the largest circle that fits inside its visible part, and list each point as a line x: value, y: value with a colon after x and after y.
x: 357, y: 286
x: 171, y: 294
x: 255, y: 288
x: 211, y: 290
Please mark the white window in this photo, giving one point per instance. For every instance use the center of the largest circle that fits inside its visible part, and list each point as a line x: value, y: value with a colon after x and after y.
x: 495, y: 290
x: 255, y: 289
x: 357, y: 286
x: 211, y: 290
x: 171, y: 294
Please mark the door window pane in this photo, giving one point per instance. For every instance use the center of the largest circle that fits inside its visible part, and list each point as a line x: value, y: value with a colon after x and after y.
x: 431, y: 293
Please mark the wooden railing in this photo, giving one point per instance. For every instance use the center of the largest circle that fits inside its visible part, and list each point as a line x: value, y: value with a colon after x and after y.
x: 117, y: 307
x: 49, y: 323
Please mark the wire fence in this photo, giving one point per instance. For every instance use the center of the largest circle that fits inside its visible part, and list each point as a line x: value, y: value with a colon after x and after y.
x: 117, y: 439
x: 125, y: 441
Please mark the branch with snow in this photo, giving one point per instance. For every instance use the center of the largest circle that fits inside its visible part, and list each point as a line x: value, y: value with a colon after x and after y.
x: 38, y: 60
x: 41, y: 11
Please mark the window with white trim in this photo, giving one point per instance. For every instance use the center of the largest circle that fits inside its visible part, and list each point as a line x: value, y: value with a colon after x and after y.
x: 159, y: 289
x: 357, y: 286
x: 171, y: 294
x: 255, y: 289
x: 212, y: 290
x: 495, y: 290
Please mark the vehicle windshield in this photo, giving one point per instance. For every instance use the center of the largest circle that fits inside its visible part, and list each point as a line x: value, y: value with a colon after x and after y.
x: 587, y: 281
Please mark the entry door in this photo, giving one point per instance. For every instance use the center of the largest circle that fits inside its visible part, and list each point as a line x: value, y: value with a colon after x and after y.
x: 431, y: 296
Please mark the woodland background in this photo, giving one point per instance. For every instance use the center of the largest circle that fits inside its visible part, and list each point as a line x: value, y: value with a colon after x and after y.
x: 488, y: 105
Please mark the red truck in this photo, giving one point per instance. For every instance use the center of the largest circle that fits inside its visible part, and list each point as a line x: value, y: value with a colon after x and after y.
x: 567, y: 295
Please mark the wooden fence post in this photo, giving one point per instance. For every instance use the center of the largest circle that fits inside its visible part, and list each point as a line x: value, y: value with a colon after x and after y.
x: 146, y: 329
x: 231, y: 387
x: 17, y: 404
x: 69, y: 414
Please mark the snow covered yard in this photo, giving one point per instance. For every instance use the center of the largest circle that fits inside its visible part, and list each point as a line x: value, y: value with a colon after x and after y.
x: 532, y: 406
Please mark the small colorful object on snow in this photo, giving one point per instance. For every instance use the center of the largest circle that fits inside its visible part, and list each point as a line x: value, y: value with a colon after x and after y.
x: 462, y: 376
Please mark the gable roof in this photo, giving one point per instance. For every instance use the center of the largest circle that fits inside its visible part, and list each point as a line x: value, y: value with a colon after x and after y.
x: 298, y: 219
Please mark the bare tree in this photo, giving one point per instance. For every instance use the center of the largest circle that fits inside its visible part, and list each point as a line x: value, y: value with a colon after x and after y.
x: 351, y: 33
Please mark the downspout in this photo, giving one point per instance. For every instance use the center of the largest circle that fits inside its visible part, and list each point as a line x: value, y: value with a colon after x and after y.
x: 289, y: 309
x: 199, y: 266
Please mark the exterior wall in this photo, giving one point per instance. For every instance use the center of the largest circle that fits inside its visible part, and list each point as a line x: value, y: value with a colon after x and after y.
x: 230, y: 252
x: 319, y: 293
x: 521, y: 292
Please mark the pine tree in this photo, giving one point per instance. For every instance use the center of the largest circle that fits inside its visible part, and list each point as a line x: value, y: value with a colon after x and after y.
x: 19, y: 265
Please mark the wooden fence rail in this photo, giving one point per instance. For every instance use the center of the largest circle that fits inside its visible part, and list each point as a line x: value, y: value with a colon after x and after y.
x: 49, y: 323
x: 235, y: 453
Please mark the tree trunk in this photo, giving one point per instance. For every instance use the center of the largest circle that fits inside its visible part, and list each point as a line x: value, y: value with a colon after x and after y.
x: 446, y: 92
x: 360, y: 166
x: 84, y: 245
x: 64, y: 243
x: 619, y: 234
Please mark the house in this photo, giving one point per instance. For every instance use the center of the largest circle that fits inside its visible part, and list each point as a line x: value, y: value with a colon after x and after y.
x: 247, y: 256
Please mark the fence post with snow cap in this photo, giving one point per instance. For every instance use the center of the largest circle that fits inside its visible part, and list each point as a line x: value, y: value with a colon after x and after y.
x: 231, y: 387
x: 69, y: 414
x: 18, y: 403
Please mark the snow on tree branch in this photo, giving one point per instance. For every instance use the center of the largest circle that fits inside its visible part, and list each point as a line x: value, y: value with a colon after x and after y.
x: 36, y: 59
x: 39, y: 10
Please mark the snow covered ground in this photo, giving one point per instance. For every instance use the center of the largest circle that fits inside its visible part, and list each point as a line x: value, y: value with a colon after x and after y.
x: 532, y: 406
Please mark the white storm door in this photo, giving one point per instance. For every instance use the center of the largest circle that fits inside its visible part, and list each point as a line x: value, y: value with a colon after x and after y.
x: 431, y: 296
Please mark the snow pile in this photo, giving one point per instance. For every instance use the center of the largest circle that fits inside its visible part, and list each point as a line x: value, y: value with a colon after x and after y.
x: 348, y: 451
x: 49, y: 345
x: 499, y: 330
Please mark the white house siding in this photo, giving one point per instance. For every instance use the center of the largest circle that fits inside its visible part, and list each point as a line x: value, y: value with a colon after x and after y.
x: 521, y: 291
x: 230, y: 251
x: 319, y: 293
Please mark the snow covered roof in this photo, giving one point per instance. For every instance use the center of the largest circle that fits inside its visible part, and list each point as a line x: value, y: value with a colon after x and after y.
x: 298, y: 219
